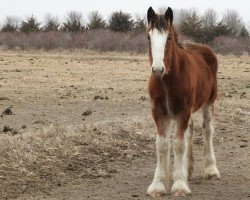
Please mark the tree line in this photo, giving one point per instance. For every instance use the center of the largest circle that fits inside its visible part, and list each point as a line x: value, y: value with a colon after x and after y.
x: 119, y: 22
x: 201, y: 28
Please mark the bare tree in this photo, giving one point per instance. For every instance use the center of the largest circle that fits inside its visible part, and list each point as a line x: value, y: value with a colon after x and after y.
x: 248, y: 26
x: 96, y: 21
x: 209, y: 25
x: 233, y: 21
x: 209, y: 18
x: 74, y: 22
x: 244, y: 32
x: 140, y: 24
x: 177, y: 18
x: 11, y: 24
x: 51, y: 23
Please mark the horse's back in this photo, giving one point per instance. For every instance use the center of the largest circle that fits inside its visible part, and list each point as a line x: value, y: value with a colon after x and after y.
x: 206, y: 52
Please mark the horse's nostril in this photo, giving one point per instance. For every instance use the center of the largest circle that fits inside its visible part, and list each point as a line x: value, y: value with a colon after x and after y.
x: 153, y: 71
x: 162, y: 70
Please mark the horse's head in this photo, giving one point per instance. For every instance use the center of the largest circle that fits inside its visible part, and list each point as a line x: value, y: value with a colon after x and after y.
x: 160, y: 41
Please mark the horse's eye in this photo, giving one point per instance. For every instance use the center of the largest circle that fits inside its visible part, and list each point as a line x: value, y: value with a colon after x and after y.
x: 148, y: 37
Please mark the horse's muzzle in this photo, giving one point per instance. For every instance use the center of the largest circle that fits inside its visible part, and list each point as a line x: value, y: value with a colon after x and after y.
x: 158, y: 72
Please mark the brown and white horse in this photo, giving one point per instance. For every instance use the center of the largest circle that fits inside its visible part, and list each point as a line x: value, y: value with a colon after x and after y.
x: 183, y: 80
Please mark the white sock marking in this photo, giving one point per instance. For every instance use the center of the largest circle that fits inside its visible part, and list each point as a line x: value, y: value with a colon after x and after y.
x: 181, y: 165
x: 161, y: 176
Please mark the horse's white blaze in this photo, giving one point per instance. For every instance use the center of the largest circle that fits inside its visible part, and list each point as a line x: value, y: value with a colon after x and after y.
x: 158, y: 42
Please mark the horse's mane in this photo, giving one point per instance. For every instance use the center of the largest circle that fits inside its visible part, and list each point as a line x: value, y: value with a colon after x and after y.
x: 176, y: 37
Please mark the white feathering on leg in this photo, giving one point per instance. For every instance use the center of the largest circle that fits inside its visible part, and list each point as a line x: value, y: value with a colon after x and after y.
x: 180, y: 186
x: 161, y: 178
x: 210, y: 161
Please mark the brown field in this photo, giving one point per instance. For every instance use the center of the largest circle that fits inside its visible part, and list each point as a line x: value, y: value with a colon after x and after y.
x: 81, y: 128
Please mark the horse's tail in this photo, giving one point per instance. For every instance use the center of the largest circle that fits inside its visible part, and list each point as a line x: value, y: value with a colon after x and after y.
x: 214, y: 68
x: 211, y: 59
x: 190, y: 149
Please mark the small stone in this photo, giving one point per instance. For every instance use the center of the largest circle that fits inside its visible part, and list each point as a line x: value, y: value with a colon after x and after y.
x: 7, y: 111
x: 14, y: 132
x: 87, y: 113
x: 98, y: 97
x: 24, y: 127
x: 7, y: 129
x: 4, y: 98
x: 112, y: 171
x: 243, y: 145
x: 143, y: 98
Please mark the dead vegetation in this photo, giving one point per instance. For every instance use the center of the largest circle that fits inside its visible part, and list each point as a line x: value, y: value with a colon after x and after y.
x: 39, y: 161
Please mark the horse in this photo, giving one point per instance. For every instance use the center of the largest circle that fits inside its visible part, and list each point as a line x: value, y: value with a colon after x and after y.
x: 183, y: 80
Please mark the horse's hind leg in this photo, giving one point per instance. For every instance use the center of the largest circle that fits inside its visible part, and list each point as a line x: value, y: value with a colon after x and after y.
x: 211, y: 170
x: 160, y: 182
x: 190, y: 149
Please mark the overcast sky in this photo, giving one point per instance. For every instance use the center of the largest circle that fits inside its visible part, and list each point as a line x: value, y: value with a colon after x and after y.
x: 39, y: 8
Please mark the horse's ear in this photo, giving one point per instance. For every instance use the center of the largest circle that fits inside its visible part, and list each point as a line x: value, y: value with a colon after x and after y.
x: 169, y: 15
x: 151, y: 14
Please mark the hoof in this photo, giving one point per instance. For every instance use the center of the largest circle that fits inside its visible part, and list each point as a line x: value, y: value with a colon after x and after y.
x: 156, y: 189
x: 212, y: 172
x: 180, y: 188
x: 179, y: 194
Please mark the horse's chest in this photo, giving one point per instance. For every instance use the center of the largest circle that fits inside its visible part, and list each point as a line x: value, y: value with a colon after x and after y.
x: 175, y: 104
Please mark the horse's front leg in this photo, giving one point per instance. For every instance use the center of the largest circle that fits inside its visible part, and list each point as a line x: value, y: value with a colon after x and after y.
x: 159, y: 186
x: 181, y: 163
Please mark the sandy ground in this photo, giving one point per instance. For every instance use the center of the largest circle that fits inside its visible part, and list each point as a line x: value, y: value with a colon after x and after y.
x: 79, y: 127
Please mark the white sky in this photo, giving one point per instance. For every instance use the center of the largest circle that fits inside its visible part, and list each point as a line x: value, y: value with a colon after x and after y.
x: 39, y: 8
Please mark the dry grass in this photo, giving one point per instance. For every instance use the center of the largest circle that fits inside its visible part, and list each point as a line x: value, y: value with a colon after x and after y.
x: 39, y: 161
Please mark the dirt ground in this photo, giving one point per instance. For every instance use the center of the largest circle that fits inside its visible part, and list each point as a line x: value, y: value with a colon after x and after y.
x: 77, y: 125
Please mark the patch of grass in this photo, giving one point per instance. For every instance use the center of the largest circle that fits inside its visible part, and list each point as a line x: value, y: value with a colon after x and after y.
x: 39, y: 161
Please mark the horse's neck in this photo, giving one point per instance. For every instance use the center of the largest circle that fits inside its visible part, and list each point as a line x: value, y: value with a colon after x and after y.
x: 176, y: 59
